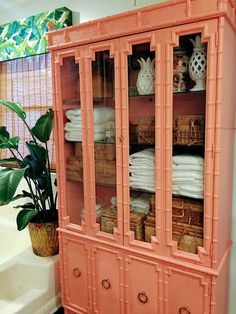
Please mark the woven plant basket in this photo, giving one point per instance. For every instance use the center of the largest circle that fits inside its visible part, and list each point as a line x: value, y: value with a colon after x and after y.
x: 44, y: 238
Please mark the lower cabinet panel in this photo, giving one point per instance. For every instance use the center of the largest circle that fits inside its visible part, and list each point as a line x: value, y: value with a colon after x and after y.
x: 76, y: 262
x: 107, y: 277
x: 143, y: 283
x: 186, y: 292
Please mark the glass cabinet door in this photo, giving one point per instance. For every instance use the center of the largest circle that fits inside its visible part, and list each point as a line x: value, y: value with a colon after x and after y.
x: 70, y: 138
x: 189, y: 108
x: 141, y: 80
x: 141, y: 116
x: 104, y: 123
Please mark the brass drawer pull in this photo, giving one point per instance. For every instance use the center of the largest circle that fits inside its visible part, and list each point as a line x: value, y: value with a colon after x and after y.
x: 184, y: 310
x: 106, y: 284
x: 76, y: 272
x: 142, y: 297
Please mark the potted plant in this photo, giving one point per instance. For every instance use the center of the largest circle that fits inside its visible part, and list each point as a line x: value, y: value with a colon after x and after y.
x: 39, y: 212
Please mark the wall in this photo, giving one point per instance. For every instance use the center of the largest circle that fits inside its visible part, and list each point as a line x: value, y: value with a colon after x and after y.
x: 85, y: 10
x: 82, y: 10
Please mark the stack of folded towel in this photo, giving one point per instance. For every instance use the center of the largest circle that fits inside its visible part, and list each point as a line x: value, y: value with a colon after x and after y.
x: 188, y: 175
x: 142, y: 170
x: 101, y: 115
x: 139, y: 202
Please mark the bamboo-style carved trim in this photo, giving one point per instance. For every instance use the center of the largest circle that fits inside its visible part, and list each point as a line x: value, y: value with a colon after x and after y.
x: 208, y: 35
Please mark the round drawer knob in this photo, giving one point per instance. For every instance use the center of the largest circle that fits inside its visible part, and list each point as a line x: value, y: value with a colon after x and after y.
x: 76, y: 272
x: 184, y: 310
x: 106, y: 284
x: 142, y: 297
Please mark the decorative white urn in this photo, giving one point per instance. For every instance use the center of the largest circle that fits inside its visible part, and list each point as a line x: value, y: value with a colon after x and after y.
x: 146, y: 77
x: 197, y: 64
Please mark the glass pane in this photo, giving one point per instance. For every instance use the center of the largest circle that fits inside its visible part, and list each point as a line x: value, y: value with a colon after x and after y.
x: 189, y: 109
x: 70, y: 91
x: 141, y: 77
x: 104, y: 140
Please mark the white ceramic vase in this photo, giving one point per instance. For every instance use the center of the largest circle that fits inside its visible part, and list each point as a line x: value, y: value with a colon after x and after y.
x: 197, y: 65
x: 146, y: 77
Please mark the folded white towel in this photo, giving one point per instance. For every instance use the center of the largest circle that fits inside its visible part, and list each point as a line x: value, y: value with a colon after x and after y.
x: 74, y: 119
x: 187, y: 175
x: 188, y: 160
x: 186, y: 181
x: 197, y: 187
x: 198, y: 168
x: 73, y: 113
x: 142, y: 173
x: 101, y: 114
x: 146, y: 154
x: 142, y: 163
x: 77, y: 137
x: 72, y: 126
x: 143, y: 179
x: 188, y: 194
x: 142, y: 186
x: 144, y: 167
x: 195, y: 191
x: 139, y: 202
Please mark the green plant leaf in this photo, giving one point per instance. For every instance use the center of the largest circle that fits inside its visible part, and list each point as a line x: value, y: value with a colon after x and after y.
x: 38, y: 153
x: 10, y: 179
x: 24, y: 217
x: 23, y: 195
x: 26, y: 206
x: 14, y: 106
x: 35, y: 170
x: 43, y: 127
x: 12, y: 159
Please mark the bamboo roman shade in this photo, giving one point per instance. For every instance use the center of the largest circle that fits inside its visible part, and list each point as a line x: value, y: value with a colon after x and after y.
x: 28, y: 81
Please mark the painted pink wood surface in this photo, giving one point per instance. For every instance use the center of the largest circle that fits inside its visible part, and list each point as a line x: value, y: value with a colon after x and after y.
x: 184, y: 279
x: 76, y: 270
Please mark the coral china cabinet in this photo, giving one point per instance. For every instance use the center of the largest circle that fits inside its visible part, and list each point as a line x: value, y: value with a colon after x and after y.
x: 144, y: 109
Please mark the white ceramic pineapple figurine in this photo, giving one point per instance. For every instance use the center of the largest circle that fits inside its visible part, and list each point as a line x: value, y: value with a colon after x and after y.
x: 146, y: 77
x: 197, y: 64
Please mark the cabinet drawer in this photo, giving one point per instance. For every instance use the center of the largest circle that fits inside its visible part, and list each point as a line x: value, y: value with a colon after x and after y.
x: 143, y: 282
x: 76, y: 272
x: 186, y: 292
x: 108, y: 287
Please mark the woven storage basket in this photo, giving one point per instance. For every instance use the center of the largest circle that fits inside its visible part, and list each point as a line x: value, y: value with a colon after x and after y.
x: 105, y: 170
x: 187, y: 211
x: 109, y: 221
x: 101, y: 151
x: 150, y: 229
x: 150, y: 222
x: 74, y: 169
x: 146, y: 130
x: 189, y: 237
x: 188, y: 130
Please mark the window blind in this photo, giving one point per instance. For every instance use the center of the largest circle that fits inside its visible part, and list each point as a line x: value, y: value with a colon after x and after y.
x: 28, y: 81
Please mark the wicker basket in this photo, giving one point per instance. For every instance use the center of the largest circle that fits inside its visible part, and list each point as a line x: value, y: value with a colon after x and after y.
x: 150, y: 222
x: 189, y: 237
x: 187, y: 211
x: 150, y: 229
x: 109, y: 221
x: 105, y: 170
x: 188, y: 130
x: 146, y: 130
x: 101, y: 151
